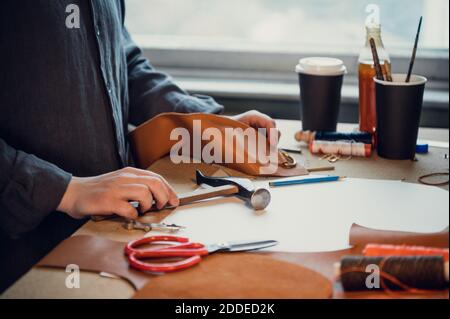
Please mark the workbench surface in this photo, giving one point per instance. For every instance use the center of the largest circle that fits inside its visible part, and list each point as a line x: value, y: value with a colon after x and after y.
x: 50, y: 283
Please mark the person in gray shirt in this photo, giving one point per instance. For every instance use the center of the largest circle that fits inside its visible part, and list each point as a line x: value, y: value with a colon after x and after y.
x: 67, y: 95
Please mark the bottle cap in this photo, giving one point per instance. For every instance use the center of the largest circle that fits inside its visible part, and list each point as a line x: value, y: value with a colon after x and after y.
x: 321, y: 66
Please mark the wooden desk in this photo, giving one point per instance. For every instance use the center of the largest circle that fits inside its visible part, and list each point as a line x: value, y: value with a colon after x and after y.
x: 50, y: 283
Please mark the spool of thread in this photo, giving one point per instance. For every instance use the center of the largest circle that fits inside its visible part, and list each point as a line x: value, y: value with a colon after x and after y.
x: 376, y: 250
x: 347, y: 148
x: 359, y: 137
x: 407, y: 273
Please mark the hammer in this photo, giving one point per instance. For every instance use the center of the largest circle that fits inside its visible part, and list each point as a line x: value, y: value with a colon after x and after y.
x: 243, y: 188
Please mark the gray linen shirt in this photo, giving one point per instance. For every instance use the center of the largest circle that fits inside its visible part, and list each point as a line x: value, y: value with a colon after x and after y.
x: 67, y: 96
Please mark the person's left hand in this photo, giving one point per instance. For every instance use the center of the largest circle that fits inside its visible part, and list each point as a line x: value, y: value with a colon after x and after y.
x: 257, y: 120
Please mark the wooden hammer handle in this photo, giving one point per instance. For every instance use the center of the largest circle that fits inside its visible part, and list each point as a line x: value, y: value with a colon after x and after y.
x: 194, y: 196
x: 207, y: 193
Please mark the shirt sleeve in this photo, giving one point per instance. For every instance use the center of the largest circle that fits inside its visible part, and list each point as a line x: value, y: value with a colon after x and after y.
x: 152, y: 92
x: 30, y: 189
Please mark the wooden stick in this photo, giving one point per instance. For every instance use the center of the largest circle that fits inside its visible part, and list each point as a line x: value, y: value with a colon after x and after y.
x: 207, y: 193
x: 413, y: 57
x: 320, y: 169
x: 376, y: 60
x: 191, y: 197
x: 387, y: 66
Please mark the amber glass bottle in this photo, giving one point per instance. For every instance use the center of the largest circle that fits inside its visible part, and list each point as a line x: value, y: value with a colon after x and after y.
x: 367, y: 102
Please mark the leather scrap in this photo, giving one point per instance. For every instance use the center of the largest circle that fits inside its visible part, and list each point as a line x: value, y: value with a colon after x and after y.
x: 95, y: 254
x: 227, y: 275
x: 160, y: 127
x: 239, y: 276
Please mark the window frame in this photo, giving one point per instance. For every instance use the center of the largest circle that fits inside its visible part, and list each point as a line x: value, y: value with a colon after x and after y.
x: 431, y: 63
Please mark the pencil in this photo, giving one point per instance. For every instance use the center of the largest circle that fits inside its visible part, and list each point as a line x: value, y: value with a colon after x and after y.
x: 304, y: 181
x: 413, y: 57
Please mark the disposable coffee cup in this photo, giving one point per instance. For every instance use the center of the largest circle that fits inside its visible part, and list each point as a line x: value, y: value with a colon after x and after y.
x: 320, y: 82
x: 399, y: 106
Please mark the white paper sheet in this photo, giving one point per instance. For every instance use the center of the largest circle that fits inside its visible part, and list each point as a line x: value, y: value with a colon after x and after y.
x: 318, y: 217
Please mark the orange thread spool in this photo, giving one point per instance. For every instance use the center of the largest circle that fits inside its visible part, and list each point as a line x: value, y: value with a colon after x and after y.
x: 372, y: 250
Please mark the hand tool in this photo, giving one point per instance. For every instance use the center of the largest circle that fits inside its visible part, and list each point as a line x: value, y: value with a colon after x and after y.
x: 305, y: 181
x: 135, y: 224
x: 259, y: 199
x: 225, y: 186
x: 187, y: 198
x: 200, y: 194
x: 192, y: 252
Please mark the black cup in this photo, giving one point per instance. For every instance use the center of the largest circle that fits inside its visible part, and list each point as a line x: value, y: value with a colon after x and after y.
x: 399, y: 106
x: 320, y: 82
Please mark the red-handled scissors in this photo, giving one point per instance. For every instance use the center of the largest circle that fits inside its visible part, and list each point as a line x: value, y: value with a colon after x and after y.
x: 181, y: 248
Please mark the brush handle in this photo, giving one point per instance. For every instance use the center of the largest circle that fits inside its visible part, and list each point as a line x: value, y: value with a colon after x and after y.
x: 376, y: 60
x: 413, y: 57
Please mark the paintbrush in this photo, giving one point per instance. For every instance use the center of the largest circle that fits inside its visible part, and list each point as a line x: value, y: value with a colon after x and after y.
x: 413, y: 57
x: 376, y: 60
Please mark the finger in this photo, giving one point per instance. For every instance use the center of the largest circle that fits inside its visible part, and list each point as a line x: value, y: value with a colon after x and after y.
x: 125, y: 209
x: 137, y: 171
x: 260, y: 120
x: 173, y: 197
x: 274, y: 136
x: 272, y: 133
x: 137, y: 192
x: 158, y: 189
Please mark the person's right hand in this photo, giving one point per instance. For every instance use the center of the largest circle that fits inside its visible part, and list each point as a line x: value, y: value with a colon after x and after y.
x: 110, y: 194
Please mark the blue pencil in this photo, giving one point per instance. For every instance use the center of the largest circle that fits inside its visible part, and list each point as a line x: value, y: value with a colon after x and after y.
x: 305, y: 181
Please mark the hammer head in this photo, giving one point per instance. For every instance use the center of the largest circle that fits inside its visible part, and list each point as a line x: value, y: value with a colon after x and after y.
x: 259, y: 199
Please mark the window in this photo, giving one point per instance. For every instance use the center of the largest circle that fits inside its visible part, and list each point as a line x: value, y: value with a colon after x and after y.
x: 286, y: 25
x: 242, y: 51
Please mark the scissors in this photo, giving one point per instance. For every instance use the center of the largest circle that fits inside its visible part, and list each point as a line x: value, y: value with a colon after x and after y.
x: 181, y: 247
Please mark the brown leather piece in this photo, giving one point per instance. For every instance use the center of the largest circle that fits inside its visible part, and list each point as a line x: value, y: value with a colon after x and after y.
x: 159, y: 128
x: 360, y: 235
x: 239, y: 276
x: 265, y: 270
x: 94, y: 254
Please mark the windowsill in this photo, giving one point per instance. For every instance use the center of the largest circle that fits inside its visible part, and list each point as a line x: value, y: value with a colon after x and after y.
x: 282, y: 91
x: 270, y: 76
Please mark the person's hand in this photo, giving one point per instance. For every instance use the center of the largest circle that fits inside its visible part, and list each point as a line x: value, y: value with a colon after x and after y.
x: 110, y: 194
x: 257, y: 120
